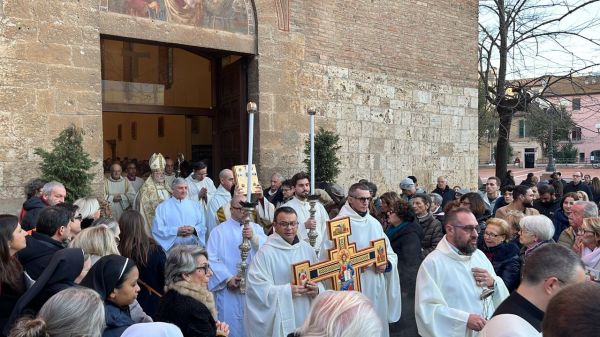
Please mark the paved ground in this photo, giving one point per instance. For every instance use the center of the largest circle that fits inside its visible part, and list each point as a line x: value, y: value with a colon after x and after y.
x: 520, y: 174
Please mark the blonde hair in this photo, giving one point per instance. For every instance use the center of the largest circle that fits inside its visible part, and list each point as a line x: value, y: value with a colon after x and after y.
x: 513, y: 219
x: 583, y: 196
x: 87, y: 206
x: 502, y: 225
x: 96, y: 240
x: 593, y: 224
x: 341, y: 314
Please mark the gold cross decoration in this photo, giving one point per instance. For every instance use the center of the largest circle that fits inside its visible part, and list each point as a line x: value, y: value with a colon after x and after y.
x: 345, y: 262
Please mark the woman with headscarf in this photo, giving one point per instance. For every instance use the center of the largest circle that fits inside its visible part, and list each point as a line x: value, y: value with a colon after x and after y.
x: 115, y: 278
x: 12, y: 285
x: 64, y: 267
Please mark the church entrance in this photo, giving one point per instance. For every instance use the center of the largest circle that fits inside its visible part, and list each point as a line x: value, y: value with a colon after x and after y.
x: 173, y: 99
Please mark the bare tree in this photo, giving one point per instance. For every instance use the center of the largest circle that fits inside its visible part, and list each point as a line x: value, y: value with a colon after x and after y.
x: 515, y: 36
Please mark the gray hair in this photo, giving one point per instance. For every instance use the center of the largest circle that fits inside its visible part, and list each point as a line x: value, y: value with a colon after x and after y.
x: 278, y: 176
x: 178, y: 181
x: 590, y: 209
x: 181, y: 259
x: 341, y: 314
x: 49, y: 187
x: 436, y: 198
x: 87, y: 206
x: 551, y: 260
x: 223, y: 173
x: 540, y: 225
x: 110, y: 223
x: 76, y: 311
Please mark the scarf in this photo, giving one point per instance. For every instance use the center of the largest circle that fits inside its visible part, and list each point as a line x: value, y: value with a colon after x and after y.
x: 197, y: 292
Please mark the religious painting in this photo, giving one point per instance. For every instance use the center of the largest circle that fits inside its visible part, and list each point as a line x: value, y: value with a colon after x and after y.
x: 345, y: 263
x: 235, y: 16
x: 240, y: 176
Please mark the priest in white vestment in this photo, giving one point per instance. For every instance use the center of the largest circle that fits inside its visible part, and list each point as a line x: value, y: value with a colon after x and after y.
x: 451, y: 281
x: 153, y: 192
x: 221, y: 196
x: 178, y: 220
x: 118, y: 192
x: 202, y: 188
x: 169, y: 171
x: 134, y: 180
x: 380, y: 285
x: 263, y: 212
x: 224, y: 259
x: 274, y: 306
x: 300, y: 204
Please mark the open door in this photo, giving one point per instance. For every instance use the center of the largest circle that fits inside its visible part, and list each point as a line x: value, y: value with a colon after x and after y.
x: 231, y: 132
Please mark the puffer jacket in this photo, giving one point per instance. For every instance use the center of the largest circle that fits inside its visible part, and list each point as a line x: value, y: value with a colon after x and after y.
x: 507, y: 263
x: 432, y: 233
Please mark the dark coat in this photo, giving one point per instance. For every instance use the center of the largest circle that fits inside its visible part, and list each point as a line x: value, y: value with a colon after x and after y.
x: 32, y: 209
x: 153, y: 275
x: 432, y: 233
x: 38, y: 253
x: 117, y: 320
x: 447, y: 194
x: 506, y: 262
x: 499, y: 203
x: 582, y: 186
x: 405, y: 240
x: 190, y: 315
x: 8, y: 299
x: 275, y: 198
x: 548, y: 209
x: 561, y: 222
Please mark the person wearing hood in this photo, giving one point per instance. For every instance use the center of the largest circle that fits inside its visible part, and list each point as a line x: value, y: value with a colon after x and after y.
x: 61, y: 272
x: 405, y: 235
x: 454, y: 284
x: 274, y: 306
x: 115, y: 278
x: 432, y: 228
x: 380, y: 284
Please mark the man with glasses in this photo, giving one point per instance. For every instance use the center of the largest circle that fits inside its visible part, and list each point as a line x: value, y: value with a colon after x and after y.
x: 380, y: 284
x: 547, y: 271
x: 571, y: 237
x: 274, y: 306
x: 300, y: 204
x: 579, y: 185
x: 457, y: 288
x: 224, y: 259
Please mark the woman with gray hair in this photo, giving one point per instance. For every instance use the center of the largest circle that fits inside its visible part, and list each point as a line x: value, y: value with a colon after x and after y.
x: 89, y: 208
x: 536, y: 230
x: 340, y: 314
x: 71, y: 312
x: 187, y: 302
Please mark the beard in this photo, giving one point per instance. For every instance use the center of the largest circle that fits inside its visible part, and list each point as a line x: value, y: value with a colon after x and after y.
x: 466, y: 248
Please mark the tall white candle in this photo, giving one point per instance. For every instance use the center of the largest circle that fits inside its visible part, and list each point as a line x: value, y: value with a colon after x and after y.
x: 251, y: 108
x: 312, y: 113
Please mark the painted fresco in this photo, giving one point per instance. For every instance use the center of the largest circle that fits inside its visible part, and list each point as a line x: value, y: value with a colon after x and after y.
x: 234, y: 16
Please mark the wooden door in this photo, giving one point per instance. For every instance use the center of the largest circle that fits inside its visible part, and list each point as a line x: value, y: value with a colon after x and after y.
x: 231, y: 131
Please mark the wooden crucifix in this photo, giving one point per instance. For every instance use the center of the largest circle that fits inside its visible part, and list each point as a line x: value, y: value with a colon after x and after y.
x: 345, y: 262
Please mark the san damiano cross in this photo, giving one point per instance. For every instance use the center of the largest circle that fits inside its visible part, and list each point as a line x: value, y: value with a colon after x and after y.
x: 345, y: 262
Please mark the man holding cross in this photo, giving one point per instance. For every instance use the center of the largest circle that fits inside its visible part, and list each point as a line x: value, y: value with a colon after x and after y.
x: 380, y: 284
x: 274, y: 306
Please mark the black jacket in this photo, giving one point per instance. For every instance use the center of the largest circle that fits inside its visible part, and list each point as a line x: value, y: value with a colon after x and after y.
x: 32, y: 207
x: 275, y: 198
x: 447, y: 194
x: 190, y: 315
x: 153, y: 275
x: 432, y: 233
x: 38, y: 253
x: 406, y: 243
x: 117, y: 320
x: 571, y: 187
x: 548, y: 209
x: 506, y: 262
x: 561, y: 222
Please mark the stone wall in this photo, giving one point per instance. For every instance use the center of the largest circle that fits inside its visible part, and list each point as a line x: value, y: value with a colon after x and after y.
x: 396, y: 79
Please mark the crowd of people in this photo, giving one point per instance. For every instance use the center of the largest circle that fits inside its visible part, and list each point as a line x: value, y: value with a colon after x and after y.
x: 161, y: 257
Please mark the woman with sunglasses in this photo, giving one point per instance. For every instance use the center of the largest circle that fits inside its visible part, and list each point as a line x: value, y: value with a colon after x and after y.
x: 187, y: 302
x: 503, y: 253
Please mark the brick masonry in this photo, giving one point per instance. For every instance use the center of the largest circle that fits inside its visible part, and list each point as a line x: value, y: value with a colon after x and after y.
x: 396, y: 79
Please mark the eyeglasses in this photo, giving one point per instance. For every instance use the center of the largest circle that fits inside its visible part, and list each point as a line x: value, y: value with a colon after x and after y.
x: 78, y: 217
x: 286, y: 224
x: 362, y: 199
x: 467, y: 228
x: 205, y: 267
x: 491, y: 235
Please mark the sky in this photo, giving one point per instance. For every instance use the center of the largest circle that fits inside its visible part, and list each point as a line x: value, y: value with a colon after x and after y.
x: 547, y: 57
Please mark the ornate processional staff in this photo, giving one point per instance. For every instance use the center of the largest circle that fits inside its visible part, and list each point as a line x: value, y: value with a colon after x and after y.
x: 248, y: 205
x: 312, y: 198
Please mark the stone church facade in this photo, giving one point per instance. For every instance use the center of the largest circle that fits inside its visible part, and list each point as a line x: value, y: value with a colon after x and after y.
x: 395, y: 79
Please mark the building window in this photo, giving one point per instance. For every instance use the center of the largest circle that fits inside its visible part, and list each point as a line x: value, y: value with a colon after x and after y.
x: 576, y: 103
x: 581, y: 157
x: 576, y: 134
x: 522, y: 129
